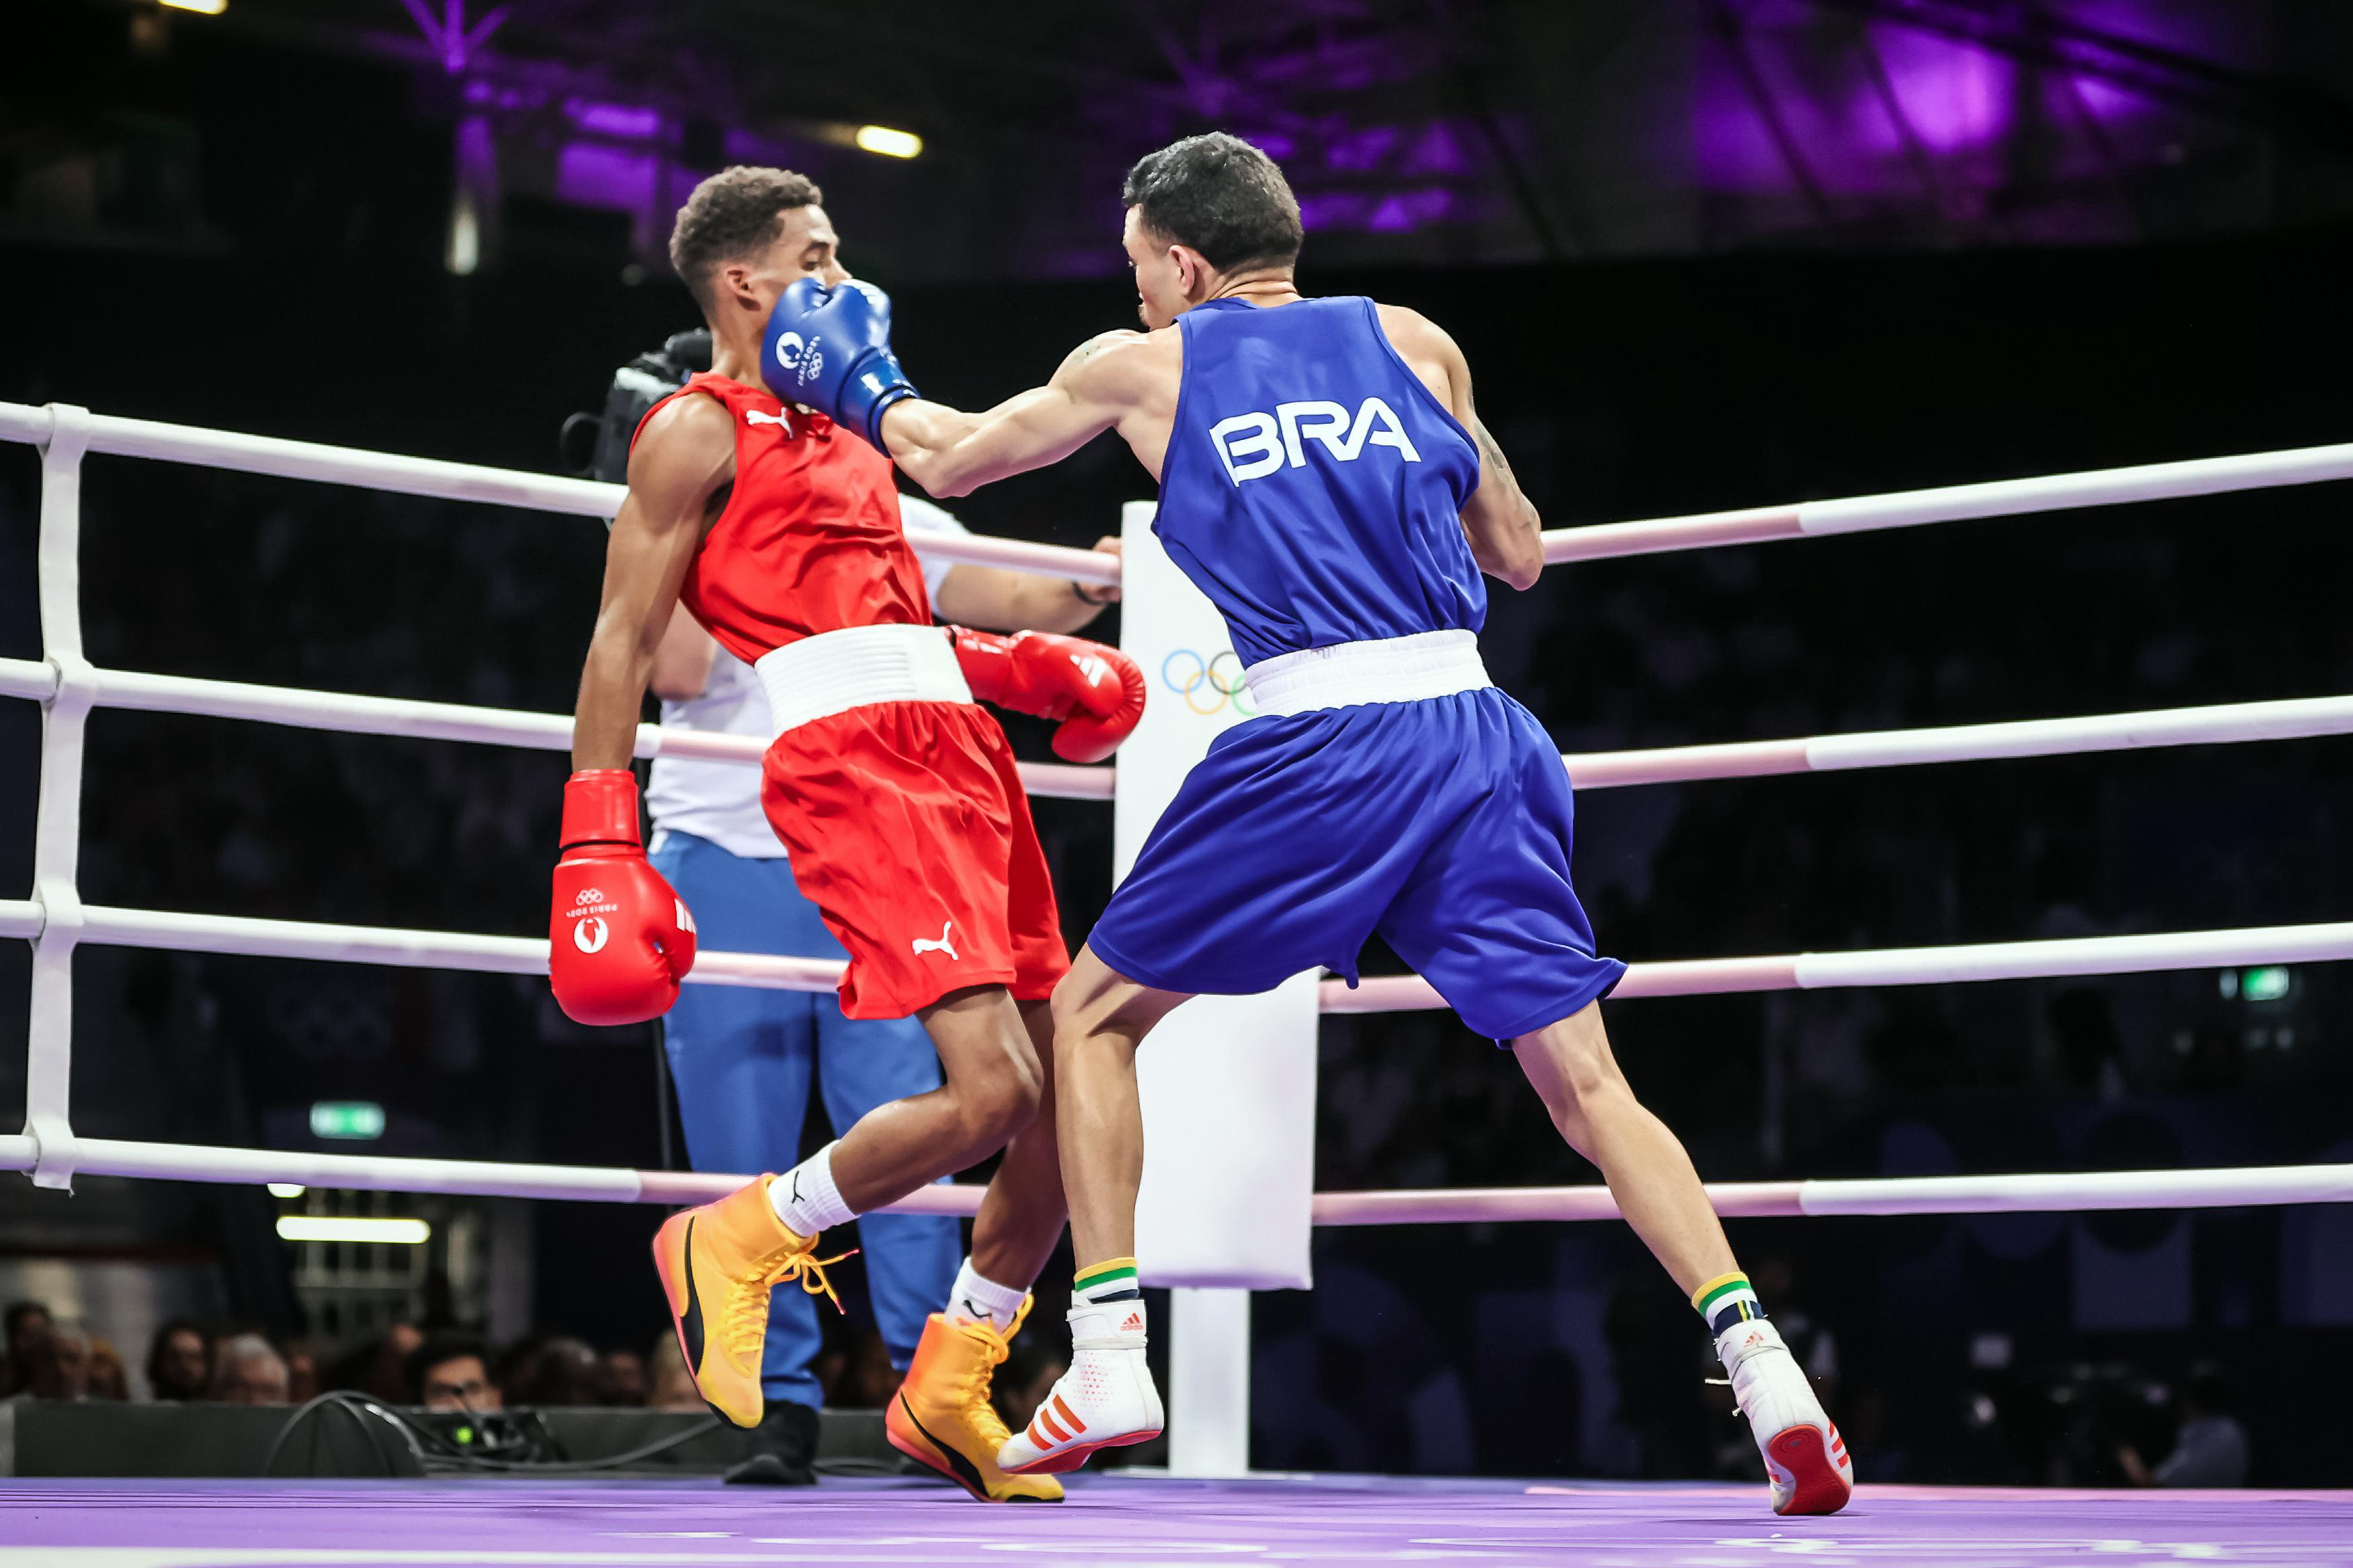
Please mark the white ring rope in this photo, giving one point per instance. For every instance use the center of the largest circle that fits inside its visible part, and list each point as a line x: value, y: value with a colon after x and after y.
x: 2065, y: 1191
x: 402, y: 716
x: 188, y: 443
x: 2221, y: 723
x: 2223, y: 1188
x: 2042, y: 960
x: 183, y: 932
x: 1855, y: 514
x: 179, y: 932
x: 1952, y: 503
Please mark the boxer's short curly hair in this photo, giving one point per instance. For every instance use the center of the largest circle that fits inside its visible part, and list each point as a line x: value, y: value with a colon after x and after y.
x: 733, y: 214
x: 1221, y: 195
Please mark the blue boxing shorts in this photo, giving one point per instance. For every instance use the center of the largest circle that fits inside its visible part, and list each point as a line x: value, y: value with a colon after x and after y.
x: 1442, y: 823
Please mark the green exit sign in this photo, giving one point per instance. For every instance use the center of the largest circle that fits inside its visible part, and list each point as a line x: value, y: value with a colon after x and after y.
x: 2266, y: 985
x: 346, y: 1118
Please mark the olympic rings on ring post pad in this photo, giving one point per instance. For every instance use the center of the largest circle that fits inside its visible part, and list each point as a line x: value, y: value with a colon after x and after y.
x: 1222, y: 676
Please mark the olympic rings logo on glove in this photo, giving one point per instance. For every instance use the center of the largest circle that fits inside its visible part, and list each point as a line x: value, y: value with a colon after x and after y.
x: 1207, y: 685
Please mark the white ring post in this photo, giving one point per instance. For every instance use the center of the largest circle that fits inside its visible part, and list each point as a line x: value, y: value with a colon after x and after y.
x: 1209, y: 1382
x: 56, y: 827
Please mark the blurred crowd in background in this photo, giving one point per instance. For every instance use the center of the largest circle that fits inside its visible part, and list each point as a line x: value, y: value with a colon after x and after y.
x: 441, y: 1369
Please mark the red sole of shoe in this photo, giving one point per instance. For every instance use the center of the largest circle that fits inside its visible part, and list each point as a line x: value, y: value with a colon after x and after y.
x: 1818, y: 1487
x: 923, y: 1453
x: 1070, y: 1460
x: 671, y: 1291
x: 674, y: 1296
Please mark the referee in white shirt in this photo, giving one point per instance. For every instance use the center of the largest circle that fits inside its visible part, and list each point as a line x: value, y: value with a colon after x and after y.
x: 741, y: 1058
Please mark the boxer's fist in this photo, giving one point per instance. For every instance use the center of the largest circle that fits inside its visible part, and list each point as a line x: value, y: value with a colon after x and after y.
x: 1093, y: 735
x: 619, y: 938
x: 1096, y: 691
x: 829, y: 349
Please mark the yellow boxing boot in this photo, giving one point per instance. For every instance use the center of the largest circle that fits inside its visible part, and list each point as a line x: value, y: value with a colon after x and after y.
x: 941, y: 1416
x: 717, y: 1264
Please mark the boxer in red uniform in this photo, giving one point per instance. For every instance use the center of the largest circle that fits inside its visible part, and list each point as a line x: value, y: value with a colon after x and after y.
x: 895, y: 795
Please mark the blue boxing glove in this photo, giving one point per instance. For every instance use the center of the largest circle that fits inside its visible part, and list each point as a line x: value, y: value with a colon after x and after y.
x: 829, y: 349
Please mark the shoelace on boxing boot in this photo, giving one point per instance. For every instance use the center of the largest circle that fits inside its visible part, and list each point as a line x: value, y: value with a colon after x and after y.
x: 971, y: 1389
x: 745, y: 1327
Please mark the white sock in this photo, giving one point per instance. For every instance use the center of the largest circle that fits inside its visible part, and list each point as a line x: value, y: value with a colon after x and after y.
x: 805, y: 1197
x: 978, y: 1299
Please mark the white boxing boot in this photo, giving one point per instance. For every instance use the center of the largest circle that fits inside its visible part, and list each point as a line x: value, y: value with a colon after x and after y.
x: 1804, y: 1453
x: 1105, y: 1401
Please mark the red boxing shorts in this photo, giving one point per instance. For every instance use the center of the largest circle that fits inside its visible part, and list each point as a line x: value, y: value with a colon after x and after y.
x: 909, y: 830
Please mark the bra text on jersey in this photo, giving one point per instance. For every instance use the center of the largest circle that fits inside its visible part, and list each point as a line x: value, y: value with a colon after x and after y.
x: 1252, y: 446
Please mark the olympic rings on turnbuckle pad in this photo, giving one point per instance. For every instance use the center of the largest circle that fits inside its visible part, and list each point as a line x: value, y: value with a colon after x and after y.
x: 1210, y: 684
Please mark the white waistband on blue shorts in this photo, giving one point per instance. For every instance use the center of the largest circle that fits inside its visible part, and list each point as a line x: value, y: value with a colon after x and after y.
x: 1389, y: 669
x: 833, y: 672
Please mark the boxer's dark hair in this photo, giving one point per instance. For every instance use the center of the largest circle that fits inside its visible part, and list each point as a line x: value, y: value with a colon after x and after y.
x: 733, y: 214
x: 1221, y: 195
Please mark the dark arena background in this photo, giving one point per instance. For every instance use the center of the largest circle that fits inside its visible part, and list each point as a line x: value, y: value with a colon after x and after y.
x: 1702, y: 254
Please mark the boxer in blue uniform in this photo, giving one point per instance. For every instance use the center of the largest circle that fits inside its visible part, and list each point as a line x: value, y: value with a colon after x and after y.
x: 1326, y: 481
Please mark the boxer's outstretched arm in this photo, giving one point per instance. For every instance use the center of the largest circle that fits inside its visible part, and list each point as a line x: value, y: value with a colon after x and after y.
x: 685, y: 453
x: 999, y: 600
x: 951, y: 453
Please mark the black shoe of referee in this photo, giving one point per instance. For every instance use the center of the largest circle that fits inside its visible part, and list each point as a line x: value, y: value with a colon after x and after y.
x: 781, y: 1451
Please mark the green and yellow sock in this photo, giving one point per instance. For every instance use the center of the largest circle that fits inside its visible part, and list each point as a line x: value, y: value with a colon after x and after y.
x: 1113, y: 1288
x: 1726, y: 1299
x: 1113, y: 1280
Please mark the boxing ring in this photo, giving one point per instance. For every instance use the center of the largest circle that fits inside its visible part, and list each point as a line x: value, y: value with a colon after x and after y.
x: 1208, y: 1383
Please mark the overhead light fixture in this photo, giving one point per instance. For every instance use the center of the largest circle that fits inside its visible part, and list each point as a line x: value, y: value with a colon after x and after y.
x: 286, y: 1189
x: 462, y: 255
x: 883, y: 141
x: 353, y: 1228
x: 202, y: 7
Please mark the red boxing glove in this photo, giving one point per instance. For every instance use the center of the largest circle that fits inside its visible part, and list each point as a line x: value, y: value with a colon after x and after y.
x: 1095, y: 689
x: 619, y: 938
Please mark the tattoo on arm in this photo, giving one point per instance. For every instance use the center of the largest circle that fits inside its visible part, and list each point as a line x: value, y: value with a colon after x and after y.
x: 1493, y: 454
x: 1500, y: 464
x: 1085, y: 352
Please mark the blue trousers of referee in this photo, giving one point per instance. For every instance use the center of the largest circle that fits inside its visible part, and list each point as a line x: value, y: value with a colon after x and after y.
x: 740, y: 1059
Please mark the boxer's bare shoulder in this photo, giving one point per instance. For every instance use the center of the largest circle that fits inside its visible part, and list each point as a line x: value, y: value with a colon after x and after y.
x: 1124, y: 361
x: 683, y: 457
x: 1135, y: 376
x: 686, y: 431
x: 1427, y: 349
x: 1504, y: 526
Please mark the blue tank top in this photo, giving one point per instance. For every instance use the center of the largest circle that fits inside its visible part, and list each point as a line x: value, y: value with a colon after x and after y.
x: 1314, y: 486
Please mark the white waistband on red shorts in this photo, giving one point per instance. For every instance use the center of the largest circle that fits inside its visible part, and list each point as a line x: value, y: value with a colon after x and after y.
x: 1389, y: 669
x: 833, y: 672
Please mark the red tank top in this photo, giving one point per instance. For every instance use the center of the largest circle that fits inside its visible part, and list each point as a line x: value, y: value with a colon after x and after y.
x: 809, y: 540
